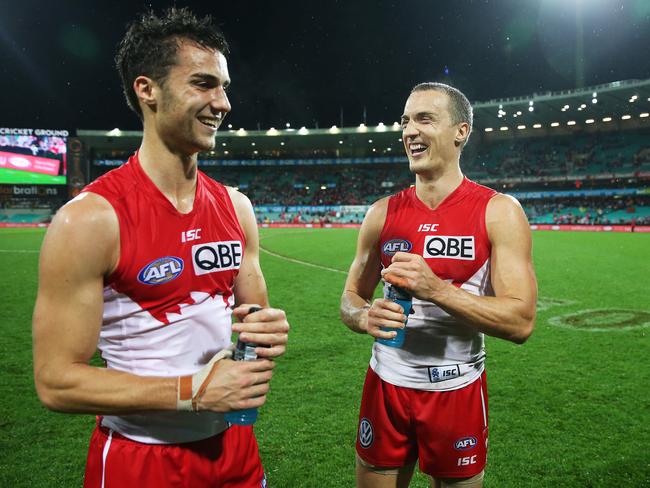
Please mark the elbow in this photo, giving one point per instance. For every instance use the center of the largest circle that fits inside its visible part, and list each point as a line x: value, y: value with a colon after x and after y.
x: 50, y: 396
x: 523, y: 332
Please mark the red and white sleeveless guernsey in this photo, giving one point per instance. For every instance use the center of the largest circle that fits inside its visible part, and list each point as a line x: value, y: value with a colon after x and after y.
x: 439, y: 352
x: 168, y: 304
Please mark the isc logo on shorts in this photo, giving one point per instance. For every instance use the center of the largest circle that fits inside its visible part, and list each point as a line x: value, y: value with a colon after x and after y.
x: 449, y: 247
x: 161, y: 271
x: 212, y: 257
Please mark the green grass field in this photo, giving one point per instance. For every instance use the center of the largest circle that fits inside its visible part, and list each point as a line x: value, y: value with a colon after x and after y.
x: 14, y: 176
x: 570, y: 408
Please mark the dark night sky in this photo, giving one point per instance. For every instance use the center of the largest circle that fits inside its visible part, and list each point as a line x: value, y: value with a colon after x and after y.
x: 303, y: 62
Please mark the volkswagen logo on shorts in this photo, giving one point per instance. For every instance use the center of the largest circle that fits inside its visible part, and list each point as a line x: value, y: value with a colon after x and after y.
x: 366, y: 434
x: 160, y: 271
x: 396, y: 245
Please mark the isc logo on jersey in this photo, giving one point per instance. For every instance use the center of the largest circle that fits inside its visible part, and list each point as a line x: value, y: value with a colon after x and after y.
x: 160, y: 271
x: 213, y: 257
x: 396, y: 245
x: 449, y: 247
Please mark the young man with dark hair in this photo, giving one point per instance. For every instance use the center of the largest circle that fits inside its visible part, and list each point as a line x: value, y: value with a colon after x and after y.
x: 463, y: 253
x: 148, y: 264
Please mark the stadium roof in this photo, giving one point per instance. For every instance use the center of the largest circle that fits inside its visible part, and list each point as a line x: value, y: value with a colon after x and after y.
x: 611, y: 106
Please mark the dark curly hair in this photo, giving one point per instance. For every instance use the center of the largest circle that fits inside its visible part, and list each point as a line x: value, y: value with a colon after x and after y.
x: 150, y: 44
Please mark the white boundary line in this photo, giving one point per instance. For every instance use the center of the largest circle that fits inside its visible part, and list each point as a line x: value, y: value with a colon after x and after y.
x: 296, y: 261
x: 304, y: 263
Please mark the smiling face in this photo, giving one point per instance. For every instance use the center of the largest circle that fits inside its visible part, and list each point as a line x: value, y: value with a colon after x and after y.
x: 431, y: 140
x: 191, y: 103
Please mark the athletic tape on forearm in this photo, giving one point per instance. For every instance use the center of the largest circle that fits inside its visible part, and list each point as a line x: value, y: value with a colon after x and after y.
x: 191, y: 388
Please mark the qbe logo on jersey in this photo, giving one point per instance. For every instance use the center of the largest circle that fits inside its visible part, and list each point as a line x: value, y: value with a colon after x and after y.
x: 449, y: 247
x: 212, y: 257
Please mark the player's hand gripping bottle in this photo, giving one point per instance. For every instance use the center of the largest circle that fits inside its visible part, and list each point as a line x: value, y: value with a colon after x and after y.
x: 244, y: 351
x: 405, y: 300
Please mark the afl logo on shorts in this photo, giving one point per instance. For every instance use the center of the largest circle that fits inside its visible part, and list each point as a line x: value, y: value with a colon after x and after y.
x: 396, y: 245
x: 465, y: 443
x: 366, y: 435
x: 160, y: 271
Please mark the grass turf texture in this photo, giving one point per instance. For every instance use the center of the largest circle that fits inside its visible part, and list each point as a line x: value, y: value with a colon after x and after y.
x: 14, y: 176
x: 569, y: 408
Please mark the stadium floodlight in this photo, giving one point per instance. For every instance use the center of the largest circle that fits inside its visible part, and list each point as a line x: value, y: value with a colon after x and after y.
x: 537, y: 126
x: 583, y: 106
x: 503, y: 128
x: 374, y: 149
x: 272, y: 132
x: 488, y: 129
x: 500, y: 106
x: 594, y: 100
x: 389, y: 149
x: 518, y: 112
x: 571, y: 122
x: 224, y: 144
x: 594, y: 95
x: 255, y: 152
x: 607, y: 119
x: 626, y: 117
x: 303, y: 131
x: 499, y: 115
x: 644, y: 115
x: 114, y: 133
x: 381, y: 127
x: 287, y: 125
x: 521, y: 127
x: 282, y: 143
x: 589, y: 121
x: 340, y: 142
x: 252, y: 143
x: 395, y: 125
x: 531, y: 108
x: 530, y: 103
x: 323, y: 187
x: 632, y: 100
x: 306, y: 187
x: 225, y: 152
x: 555, y: 124
x: 241, y: 132
x: 230, y: 126
x: 362, y: 128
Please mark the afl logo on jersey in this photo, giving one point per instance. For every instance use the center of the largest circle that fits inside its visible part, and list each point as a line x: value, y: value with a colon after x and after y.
x: 160, y: 271
x: 396, y: 245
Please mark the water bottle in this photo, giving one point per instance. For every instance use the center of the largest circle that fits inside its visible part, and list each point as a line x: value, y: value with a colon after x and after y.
x: 405, y: 300
x: 244, y: 351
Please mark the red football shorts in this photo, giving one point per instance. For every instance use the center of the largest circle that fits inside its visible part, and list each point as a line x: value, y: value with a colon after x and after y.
x: 446, y: 431
x: 227, y: 460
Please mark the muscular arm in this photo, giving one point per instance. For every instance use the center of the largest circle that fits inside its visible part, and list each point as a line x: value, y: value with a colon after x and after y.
x: 268, y: 326
x: 510, y: 314
x: 364, y: 275
x: 80, y: 248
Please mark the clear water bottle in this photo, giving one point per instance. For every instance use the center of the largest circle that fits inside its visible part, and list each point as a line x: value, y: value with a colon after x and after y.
x: 244, y: 351
x: 403, y: 299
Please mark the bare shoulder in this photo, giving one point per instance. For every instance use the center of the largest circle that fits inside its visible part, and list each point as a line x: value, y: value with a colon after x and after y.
x: 244, y: 210
x: 86, y: 227
x: 505, y: 218
x: 376, y: 215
